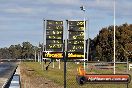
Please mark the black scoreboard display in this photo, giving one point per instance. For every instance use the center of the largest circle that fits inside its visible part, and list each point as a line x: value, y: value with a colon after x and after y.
x: 54, y: 40
x: 76, y: 36
x: 75, y: 45
x: 54, y: 35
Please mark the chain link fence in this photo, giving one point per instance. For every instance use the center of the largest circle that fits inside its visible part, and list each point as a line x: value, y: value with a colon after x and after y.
x: 94, y: 68
x: 55, y: 76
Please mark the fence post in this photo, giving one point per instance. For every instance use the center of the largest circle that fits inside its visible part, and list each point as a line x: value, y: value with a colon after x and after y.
x: 64, y: 74
x: 65, y: 57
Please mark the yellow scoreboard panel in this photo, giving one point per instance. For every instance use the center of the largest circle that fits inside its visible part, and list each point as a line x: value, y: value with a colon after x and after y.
x: 60, y: 55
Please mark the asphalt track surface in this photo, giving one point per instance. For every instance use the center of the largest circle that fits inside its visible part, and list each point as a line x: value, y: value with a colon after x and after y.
x: 6, y: 69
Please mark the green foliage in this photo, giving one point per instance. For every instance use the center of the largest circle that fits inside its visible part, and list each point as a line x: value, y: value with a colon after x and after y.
x: 24, y: 51
x: 56, y: 75
x: 15, y: 51
x: 4, y: 53
x: 103, y: 43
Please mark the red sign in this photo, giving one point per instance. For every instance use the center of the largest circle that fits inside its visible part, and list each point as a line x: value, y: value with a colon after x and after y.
x: 104, y: 78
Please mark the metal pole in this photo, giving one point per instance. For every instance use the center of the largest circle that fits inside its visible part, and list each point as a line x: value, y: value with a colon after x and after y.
x: 38, y: 56
x: 59, y: 63
x: 35, y: 55
x: 65, y: 69
x: 84, y: 43
x: 114, y: 36
x: 42, y: 64
x: 65, y: 56
x: 127, y: 85
x: 83, y: 9
x: 43, y: 32
x: 53, y: 64
x: 44, y: 48
x: 127, y: 65
x: 88, y: 46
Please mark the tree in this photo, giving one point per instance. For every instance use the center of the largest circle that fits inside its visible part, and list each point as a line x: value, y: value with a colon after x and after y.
x: 4, y: 53
x: 27, y: 50
x: 104, y: 43
x: 15, y: 51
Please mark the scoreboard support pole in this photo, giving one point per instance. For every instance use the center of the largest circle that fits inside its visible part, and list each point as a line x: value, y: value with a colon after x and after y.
x: 42, y: 64
x: 83, y: 9
x: 64, y: 74
x: 38, y: 56
x: 40, y: 59
x: 84, y: 42
x: 35, y: 55
x: 65, y: 56
x: 43, y: 32
x: 53, y: 64
x: 59, y: 63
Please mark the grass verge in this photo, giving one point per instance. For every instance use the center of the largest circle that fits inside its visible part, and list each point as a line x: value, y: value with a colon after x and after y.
x: 57, y: 75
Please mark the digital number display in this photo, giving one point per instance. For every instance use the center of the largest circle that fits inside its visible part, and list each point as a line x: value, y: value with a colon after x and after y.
x: 54, y: 46
x: 54, y: 27
x: 75, y: 48
x: 54, y: 42
x: 53, y: 22
x: 54, y: 37
x: 76, y: 28
x: 55, y: 32
x: 76, y: 42
x: 78, y: 23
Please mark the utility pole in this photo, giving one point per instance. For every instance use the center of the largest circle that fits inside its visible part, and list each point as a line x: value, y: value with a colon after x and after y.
x: 83, y: 9
x: 35, y: 54
x: 114, y: 36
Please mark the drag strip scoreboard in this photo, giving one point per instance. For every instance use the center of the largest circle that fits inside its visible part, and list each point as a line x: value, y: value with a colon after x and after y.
x: 76, y: 40
x: 54, y: 35
x: 54, y: 40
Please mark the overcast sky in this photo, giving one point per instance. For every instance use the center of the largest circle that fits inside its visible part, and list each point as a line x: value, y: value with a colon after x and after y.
x: 21, y: 20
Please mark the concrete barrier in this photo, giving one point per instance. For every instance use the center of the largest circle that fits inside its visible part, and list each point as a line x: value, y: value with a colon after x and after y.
x: 7, y: 83
x: 15, y: 82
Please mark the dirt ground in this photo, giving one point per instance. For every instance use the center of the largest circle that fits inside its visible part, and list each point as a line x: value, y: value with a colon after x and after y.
x: 29, y: 80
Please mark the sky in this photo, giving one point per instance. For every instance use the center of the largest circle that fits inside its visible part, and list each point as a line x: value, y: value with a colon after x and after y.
x: 22, y: 20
